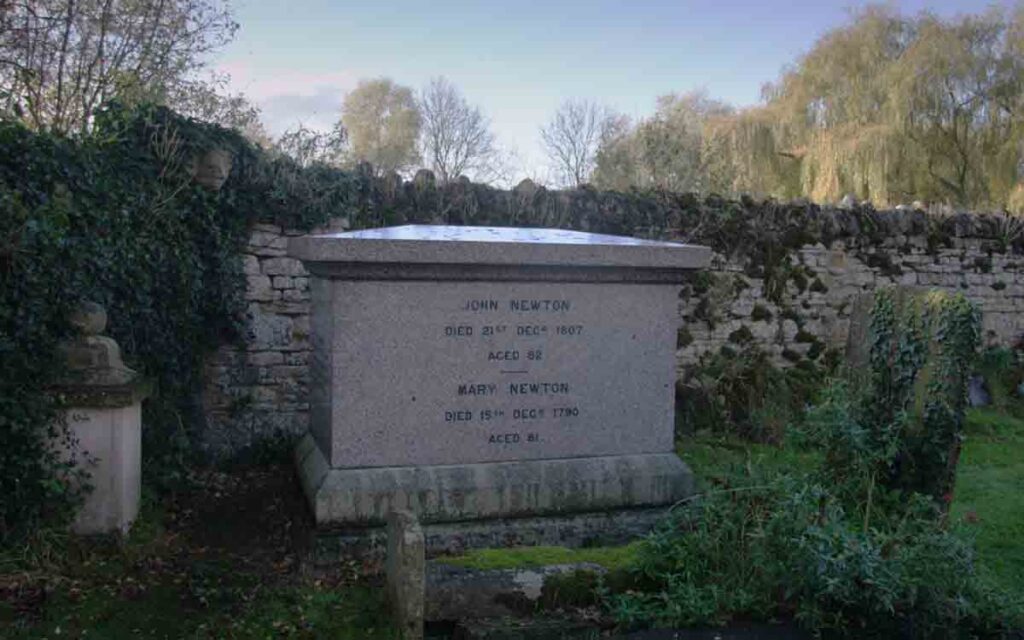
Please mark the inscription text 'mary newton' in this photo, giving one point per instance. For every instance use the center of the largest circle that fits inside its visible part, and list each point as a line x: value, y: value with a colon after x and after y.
x: 470, y: 373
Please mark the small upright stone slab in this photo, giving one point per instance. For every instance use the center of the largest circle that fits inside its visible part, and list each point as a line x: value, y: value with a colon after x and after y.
x: 469, y: 373
x: 406, y: 573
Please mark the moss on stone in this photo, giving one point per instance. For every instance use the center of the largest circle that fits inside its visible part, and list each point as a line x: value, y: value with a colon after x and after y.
x: 789, y: 313
x: 805, y: 337
x: 792, y: 356
x: 530, y: 557
x: 739, y: 283
x: 799, y: 280
x: 761, y: 313
x: 742, y: 335
x: 998, y: 285
x: 884, y: 263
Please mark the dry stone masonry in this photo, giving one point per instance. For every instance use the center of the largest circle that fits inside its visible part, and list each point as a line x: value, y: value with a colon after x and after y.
x: 795, y: 303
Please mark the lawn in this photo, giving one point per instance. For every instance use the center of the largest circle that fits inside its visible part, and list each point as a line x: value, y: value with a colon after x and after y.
x: 989, y: 499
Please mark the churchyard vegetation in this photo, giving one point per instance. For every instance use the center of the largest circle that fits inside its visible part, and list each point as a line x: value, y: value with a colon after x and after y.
x: 853, y: 537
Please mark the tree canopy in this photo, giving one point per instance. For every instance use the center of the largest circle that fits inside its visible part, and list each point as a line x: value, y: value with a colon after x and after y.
x: 891, y: 109
x: 383, y: 124
x: 61, y: 59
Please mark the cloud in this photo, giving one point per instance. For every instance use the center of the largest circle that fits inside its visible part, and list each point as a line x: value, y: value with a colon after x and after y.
x: 288, y: 98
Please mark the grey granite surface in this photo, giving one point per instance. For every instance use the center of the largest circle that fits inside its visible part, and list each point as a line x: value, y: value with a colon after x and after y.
x: 429, y: 244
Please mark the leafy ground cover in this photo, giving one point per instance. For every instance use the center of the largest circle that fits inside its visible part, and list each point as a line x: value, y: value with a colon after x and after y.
x: 217, y: 561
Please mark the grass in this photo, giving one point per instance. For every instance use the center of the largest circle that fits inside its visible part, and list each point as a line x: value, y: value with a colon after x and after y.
x: 711, y: 456
x: 989, y: 498
x: 527, y: 557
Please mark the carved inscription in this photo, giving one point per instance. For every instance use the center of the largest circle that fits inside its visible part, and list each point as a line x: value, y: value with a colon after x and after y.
x: 521, y: 391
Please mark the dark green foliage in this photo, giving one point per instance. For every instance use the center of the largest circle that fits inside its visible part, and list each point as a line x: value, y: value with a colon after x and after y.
x: 922, y: 350
x: 785, y: 547
x: 114, y: 219
x: 817, y: 286
x: 897, y: 429
x: 683, y: 338
x: 1003, y: 371
x: 860, y: 547
x: 817, y: 348
x: 741, y: 392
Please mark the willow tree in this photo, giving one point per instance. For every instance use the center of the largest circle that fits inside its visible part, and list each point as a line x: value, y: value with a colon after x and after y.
x: 890, y: 109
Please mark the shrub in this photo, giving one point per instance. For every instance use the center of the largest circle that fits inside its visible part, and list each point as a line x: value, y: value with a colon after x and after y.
x: 744, y: 393
x: 1003, y: 371
x: 901, y: 425
x: 786, y: 548
x: 112, y: 218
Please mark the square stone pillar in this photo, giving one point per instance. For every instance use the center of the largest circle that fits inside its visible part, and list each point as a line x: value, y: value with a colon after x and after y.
x: 104, y: 418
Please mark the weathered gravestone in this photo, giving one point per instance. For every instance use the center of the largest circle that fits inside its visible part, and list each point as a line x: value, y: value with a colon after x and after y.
x: 473, y: 373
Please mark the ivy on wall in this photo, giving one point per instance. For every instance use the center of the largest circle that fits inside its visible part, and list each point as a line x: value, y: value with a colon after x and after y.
x: 114, y: 218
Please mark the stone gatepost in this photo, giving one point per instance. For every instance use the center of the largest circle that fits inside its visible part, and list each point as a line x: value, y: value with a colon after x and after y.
x: 103, y: 400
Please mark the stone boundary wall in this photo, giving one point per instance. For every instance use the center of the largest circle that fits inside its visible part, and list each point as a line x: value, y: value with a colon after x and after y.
x: 814, y: 310
x: 796, y: 310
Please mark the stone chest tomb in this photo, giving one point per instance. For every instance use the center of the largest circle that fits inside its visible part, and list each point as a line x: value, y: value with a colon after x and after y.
x: 474, y: 373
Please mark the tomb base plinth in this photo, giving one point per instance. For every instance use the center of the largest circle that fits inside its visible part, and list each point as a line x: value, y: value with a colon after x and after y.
x: 566, y: 502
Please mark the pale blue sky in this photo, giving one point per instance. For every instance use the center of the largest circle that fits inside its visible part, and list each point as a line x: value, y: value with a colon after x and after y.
x: 519, y: 60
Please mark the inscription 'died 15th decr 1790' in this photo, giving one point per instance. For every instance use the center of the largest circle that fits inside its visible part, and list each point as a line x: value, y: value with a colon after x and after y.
x: 536, y: 400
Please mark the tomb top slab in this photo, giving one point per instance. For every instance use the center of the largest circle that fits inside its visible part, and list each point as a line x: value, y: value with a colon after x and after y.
x: 440, y: 244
